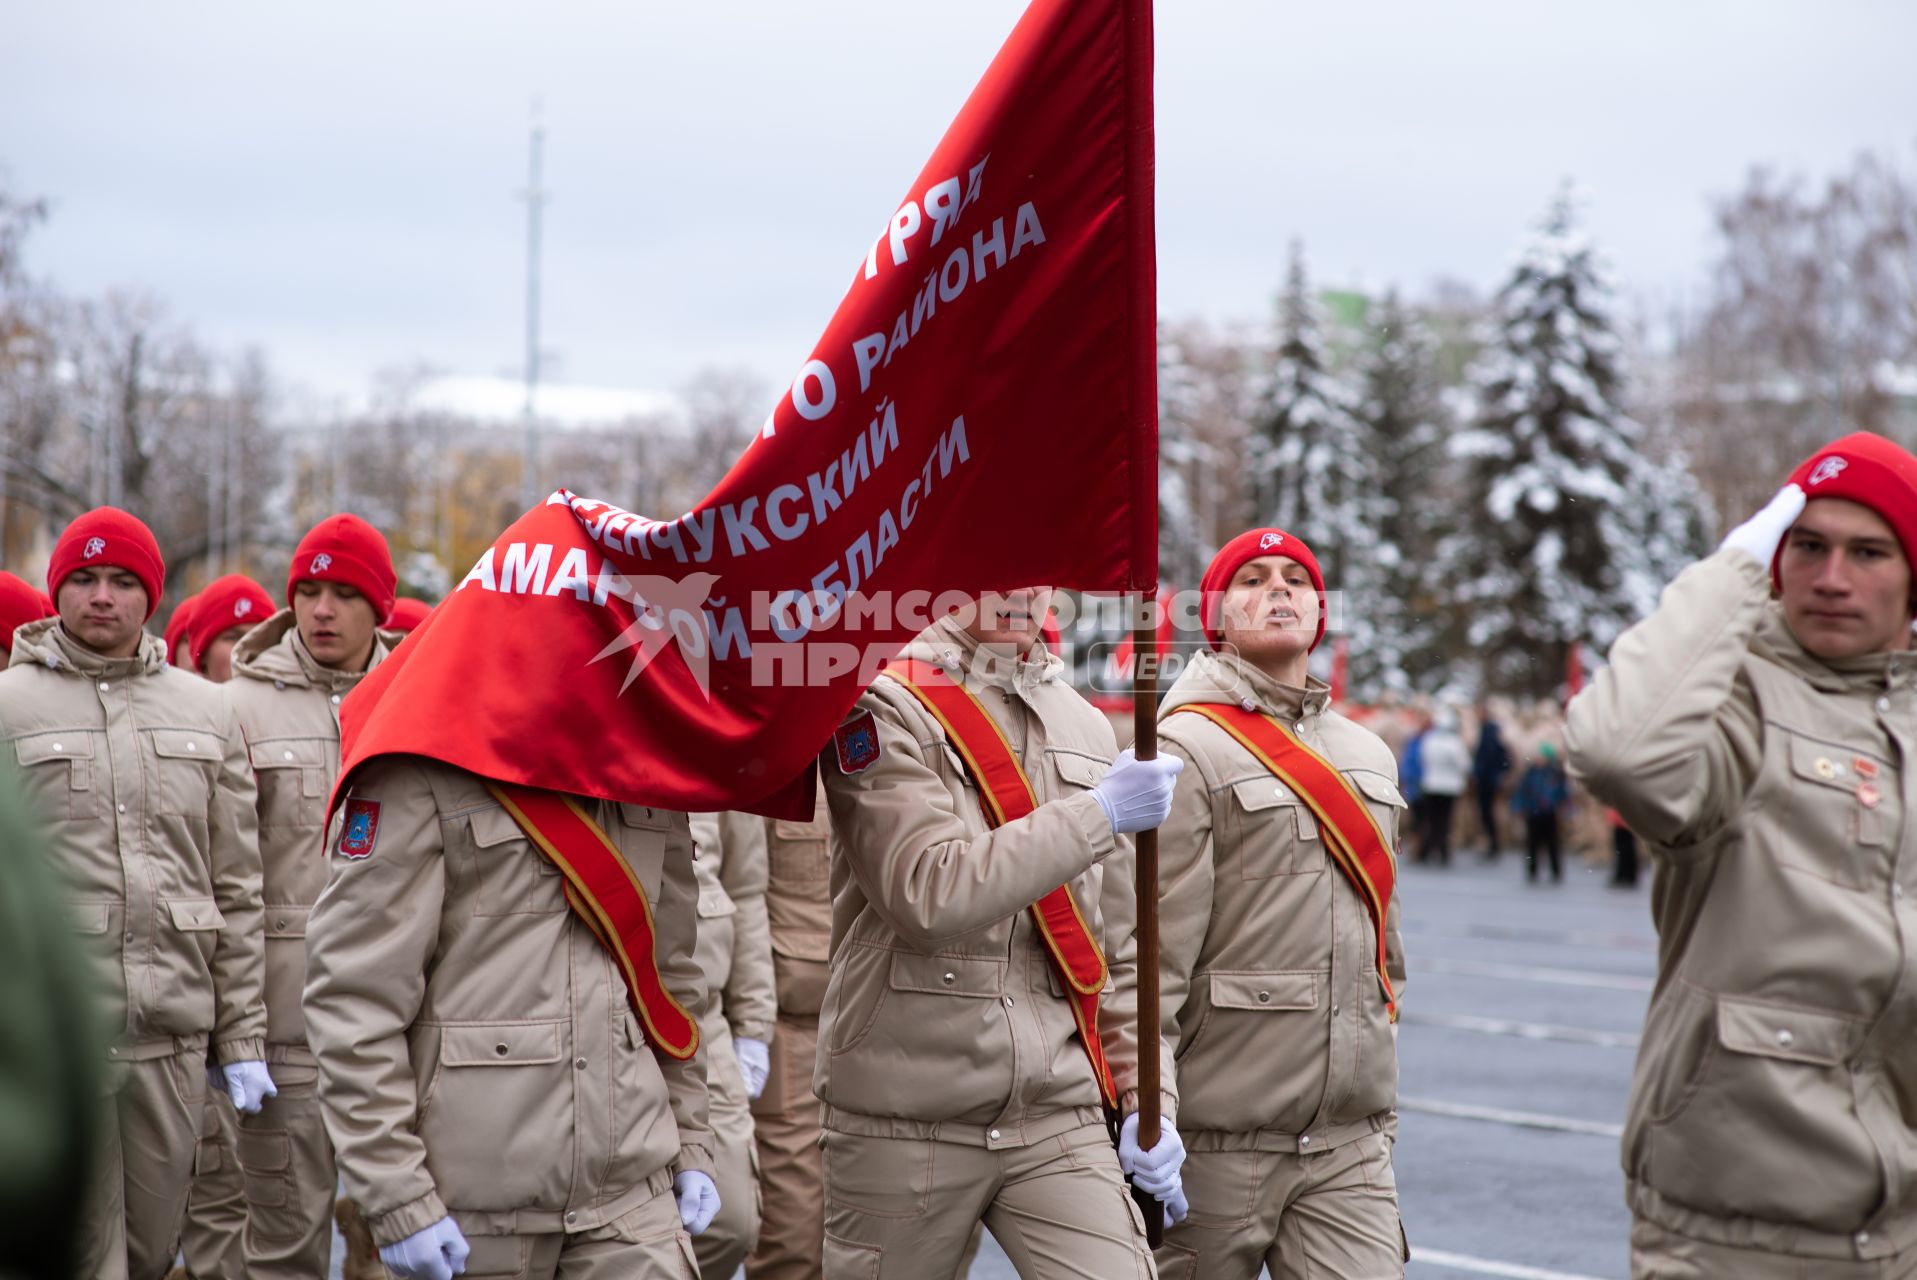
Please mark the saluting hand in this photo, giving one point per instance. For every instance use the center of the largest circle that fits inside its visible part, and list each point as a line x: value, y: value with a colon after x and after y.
x: 1760, y: 535
x: 1135, y: 794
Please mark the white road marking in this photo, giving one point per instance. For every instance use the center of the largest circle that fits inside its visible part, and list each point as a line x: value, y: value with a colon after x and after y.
x: 1534, y: 973
x: 1592, y: 938
x: 1523, y: 1030
x: 1487, y: 1267
x: 1521, y: 1119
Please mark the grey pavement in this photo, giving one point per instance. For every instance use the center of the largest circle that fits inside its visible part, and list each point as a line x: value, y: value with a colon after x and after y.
x: 1520, y: 1021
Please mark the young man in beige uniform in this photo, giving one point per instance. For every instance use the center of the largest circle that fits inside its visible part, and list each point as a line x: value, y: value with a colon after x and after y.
x: 494, y: 1104
x: 785, y: 1117
x: 1758, y: 731
x: 290, y: 676
x: 213, y: 1236
x: 735, y: 955
x: 1287, y: 1060
x: 140, y: 773
x: 957, y: 1086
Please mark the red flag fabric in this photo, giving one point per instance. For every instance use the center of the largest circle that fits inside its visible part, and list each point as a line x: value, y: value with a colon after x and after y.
x: 980, y: 413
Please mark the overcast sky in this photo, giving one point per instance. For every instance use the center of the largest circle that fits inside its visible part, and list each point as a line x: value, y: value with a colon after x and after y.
x: 337, y: 183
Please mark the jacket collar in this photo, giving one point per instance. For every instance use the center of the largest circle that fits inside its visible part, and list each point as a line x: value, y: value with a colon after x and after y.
x: 274, y: 651
x: 955, y: 650
x: 1866, y: 673
x: 47, y: 643
x: 1226, y: 678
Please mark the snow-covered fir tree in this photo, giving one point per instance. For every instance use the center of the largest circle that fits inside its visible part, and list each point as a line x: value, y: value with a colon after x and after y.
x: 1404, y: 417
x: 1564, y: 536
x: 1312, y: 470
x: 1182, y: 549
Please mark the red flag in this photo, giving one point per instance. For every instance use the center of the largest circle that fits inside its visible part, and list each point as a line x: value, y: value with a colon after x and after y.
x: 980, y: 413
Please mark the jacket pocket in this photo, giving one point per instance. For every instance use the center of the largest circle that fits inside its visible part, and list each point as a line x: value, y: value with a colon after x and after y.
x: 1277, y: 834
x: 641, y: 836
x: 292, y: 780
x: 1267, y: 1017
x: 56, y: 768
x: 185, y: 761
x: 1769, y: 1129
x: 1836, y: 835
x: 512, y: 877
x: 1076, y: 770
x: 797, y: 852
x: 498, y: 1124
x: 285, y: 973
x: 200, y: 920
x: 1386, y: 802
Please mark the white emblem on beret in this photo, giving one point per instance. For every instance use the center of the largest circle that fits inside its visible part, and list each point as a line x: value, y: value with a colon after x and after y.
x: 1271, y: 540
x: 1829, y: 469
x: 321, y: 563
x: 242, y: 607
x: 94, y: 547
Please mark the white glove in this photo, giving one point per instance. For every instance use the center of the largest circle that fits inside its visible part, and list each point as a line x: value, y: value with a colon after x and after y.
x: 436, y: 1253
x: 1154, y: 1172
x: 248, y: 1084
x: 698, y: 1200
x: 1137, y: 794
x: 755, y: 1063
x: 1760, y: 535
x: 1176, y: 1208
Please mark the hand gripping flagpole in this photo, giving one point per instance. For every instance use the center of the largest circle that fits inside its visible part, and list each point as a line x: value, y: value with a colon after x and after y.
x: 1145, y: 747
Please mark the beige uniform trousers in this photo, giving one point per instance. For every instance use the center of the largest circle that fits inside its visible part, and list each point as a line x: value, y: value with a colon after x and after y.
x: 724, y: 1244
x: 290, y: 1181
x: 1661, y: 1254
x: 785, y: 1129
x: 646, y: 1243
x: 904, y: 1208
x: 145, y: 1167
x: 1307, y: 1217
x: 212, y: 1239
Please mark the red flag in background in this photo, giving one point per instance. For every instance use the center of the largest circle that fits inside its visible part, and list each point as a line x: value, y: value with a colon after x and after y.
x: 1573, y: 671
x: 980, y: 413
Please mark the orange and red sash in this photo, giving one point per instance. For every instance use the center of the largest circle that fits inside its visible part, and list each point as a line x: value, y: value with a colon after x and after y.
x: 1351, y: 834
x: 602, y: 889
x: 1008, y: 796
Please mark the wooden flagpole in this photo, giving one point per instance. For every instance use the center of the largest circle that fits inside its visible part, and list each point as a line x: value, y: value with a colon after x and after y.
x: 1145, y: 747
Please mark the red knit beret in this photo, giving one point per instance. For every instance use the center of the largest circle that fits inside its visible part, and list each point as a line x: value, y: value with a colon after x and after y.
x: 344, y: 548
x: 407, y: 613
x: 1869, y: 470
x: 20, y: 603
x: 232, y: 601
x: 177, y: 624
x: 109, y: 536
x: 1249, y: 546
